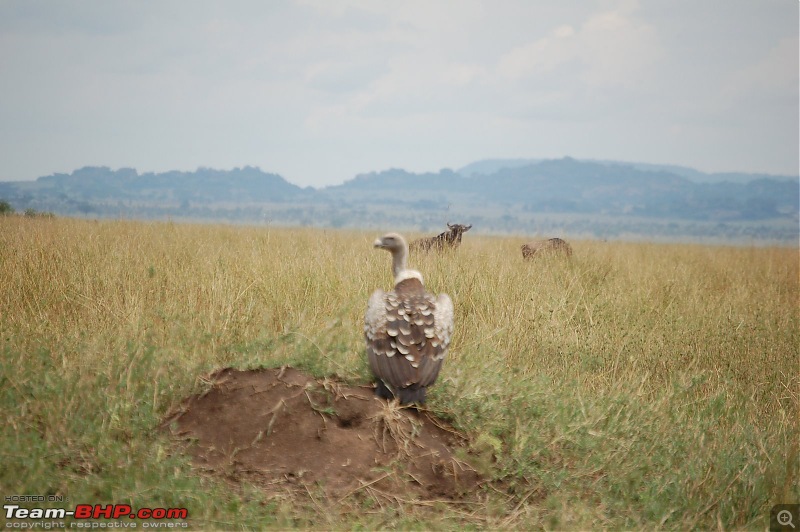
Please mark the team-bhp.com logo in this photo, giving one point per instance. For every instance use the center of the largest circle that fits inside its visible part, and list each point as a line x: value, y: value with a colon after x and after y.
x: 96, y: 511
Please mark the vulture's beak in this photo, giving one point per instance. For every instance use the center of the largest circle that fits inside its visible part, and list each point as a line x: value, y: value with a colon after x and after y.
x: 378, y: 243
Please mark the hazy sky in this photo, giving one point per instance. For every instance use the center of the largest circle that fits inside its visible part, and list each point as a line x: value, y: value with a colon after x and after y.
x: 321, y: 90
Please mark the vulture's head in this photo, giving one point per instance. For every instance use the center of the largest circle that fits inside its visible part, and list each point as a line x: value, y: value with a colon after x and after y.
x: 392, y: 242
x: 395, y: 244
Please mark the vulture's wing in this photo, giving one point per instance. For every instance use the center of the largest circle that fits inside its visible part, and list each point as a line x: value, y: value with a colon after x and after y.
x: 379, y: 348
x: 443, y: 319
x: 407, y: 337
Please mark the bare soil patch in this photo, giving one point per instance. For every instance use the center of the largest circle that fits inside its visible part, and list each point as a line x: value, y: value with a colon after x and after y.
x: 283, y: 429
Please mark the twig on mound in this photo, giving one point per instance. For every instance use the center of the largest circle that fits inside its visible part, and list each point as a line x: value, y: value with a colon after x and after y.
x: 362, y: 486
x: 418, y: 481
x: 399, y: 428
x: 275, y: 410
x: 433, y: 419
x: 279, y: 376
x: 335, y: 388
x: 258, y: 438
x: 317, y: 408
x: 313, y: 499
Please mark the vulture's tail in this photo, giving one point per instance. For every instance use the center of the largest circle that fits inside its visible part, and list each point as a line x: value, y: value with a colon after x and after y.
x: 407, y: 396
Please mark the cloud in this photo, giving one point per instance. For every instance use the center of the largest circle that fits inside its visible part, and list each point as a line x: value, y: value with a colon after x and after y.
x: 343, y: 76
x: 319, y: 88
x: 617, y: 49
x: 537, y: 57
x: 608, y: 49
x: 773, y: 74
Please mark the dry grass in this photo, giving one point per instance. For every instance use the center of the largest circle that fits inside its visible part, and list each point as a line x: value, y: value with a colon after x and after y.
x: 635, y: 385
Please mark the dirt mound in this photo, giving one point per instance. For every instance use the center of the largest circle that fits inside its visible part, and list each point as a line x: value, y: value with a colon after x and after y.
x: 281, y: 428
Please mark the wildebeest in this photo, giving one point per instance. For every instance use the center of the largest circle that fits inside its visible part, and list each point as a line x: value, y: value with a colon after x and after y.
x: 449, y: 239
x: 551, y: 246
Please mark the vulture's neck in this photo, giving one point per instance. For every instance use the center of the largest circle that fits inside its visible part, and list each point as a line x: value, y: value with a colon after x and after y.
x: 399, y: 260
x: 399, y: 270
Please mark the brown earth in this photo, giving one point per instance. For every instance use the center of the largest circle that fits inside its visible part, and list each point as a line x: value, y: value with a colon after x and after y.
x: 282, y: 429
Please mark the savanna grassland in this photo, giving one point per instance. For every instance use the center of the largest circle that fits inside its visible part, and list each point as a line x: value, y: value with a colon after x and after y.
x: 633, y: 386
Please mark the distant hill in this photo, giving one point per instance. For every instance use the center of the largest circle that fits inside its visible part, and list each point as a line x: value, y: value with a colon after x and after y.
x: 572, y: 186
x: 491, y: 166
x: 90, y: 188
x: 528, y: 196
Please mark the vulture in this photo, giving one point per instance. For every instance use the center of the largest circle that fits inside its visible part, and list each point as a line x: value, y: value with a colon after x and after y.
x: 407, y: 330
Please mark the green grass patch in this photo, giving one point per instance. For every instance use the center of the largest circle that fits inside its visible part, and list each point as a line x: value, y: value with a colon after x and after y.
x: 634, y: 386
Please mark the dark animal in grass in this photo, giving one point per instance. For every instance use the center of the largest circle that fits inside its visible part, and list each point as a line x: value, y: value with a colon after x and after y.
x: 407, y: 330
x: 450, y: 239
x: 551, y: 246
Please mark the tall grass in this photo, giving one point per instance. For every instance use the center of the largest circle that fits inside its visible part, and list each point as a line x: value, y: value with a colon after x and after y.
x: 634, y: 386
